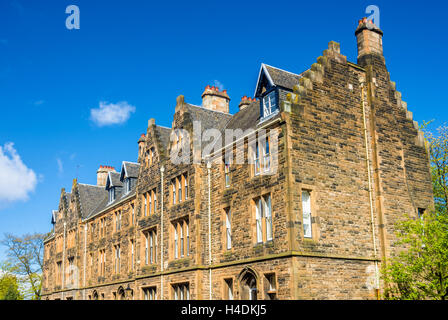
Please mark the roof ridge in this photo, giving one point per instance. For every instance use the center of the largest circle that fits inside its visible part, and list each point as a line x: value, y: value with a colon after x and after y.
x: 131, y: 162
x: 200, y: 107
x: 296, y: 74
x: 90, y: 185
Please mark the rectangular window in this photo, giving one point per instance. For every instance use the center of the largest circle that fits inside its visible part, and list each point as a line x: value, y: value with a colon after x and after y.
x: 179, y: 182
x: 188, y: 239
x: 176, y: 249
x: 257, y: 168
x: 227, y: 174
x: 263, y: 219
x: 268, y: 217
x: 132, y: 255
x: 228, y: 229
x: 150, y: 293
x: 155, y: 200
x: 181, y: 238
x: 181, y: 291
x: 269, y: 103
x: 145, y: 205
x: 150, y: 202
x: 111, y: 194
x: 306, y: 213
x: 117, y: 258
x: 258, y: 219
x: 186, y: 186
x: 151, y: 246
x: 270, y: 286
x: 132, y: 214
x: 146, y: 247
x: 173, y: 183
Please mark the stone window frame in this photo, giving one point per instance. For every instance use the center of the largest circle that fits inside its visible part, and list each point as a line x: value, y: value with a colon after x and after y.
x: 150, y: 246
x: 152, y: 290
x: 117, y: 258
x: 180, y: 239
x: 264, y: 155
x: 254, y: 205
x: 225, y: 247
x: 270, y: 291
x: 315, y: 226
x: 179, y: 187
x: 180, y: 291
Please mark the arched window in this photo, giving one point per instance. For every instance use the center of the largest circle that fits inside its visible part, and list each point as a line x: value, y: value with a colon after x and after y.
x: 248, y: 285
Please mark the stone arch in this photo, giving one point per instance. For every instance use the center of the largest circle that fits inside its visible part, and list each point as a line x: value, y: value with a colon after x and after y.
x: 95, y: 295
x: 248, y: 284
x: 121, y: 294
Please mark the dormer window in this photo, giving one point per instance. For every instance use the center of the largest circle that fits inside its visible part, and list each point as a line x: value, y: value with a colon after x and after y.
x: 127, y: 185
x: 269, y: 103
x: 111, y: 194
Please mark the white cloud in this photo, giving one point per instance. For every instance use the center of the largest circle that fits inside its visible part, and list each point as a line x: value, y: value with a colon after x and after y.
x: 60, y: 166
x: 16, y: 179
x: 111, y: 113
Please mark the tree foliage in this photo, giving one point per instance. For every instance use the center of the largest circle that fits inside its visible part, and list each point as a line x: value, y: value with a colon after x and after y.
x: 421, y: 271
x: 9, y: 288
x: 25, y: 261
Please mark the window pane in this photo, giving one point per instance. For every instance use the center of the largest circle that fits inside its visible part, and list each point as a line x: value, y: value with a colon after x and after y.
x: 306, y: 212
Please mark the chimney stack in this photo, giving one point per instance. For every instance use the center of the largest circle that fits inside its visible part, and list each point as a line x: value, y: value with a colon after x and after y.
x: 101, y: 175
x: 369, y: 38
x: 245, y: 101
x: 215, y: 100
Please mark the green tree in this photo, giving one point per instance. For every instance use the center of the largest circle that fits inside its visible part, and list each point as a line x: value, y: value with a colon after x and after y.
x: 25, y: 261
x: 421, y: 270
x: 9, y: 288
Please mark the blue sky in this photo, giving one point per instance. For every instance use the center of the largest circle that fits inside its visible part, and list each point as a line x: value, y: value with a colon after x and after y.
x: 142, y: 55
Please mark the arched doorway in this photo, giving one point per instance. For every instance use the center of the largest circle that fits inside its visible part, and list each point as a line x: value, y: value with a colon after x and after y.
x: 95, y: 295
x: 248, y: 285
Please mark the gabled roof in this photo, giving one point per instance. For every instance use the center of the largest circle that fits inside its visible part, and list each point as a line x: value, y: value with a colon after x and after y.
x: 208, y: 118
x: 89, y: 196
x: 129, y: 170
x: 275, y: 77
x: 246, y: 118
x: 113, y: 180
x: 103, y: 203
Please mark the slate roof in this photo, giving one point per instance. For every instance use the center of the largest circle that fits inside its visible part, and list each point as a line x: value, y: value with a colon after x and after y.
x: 209, y: 118
x: 113, y: 179
x: 89, y: 196
x: 129, y: 170
x: 246, y: 118
x: 281, y: 77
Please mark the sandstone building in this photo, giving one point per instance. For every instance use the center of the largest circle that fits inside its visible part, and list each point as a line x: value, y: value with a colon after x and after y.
x: 310, y: 213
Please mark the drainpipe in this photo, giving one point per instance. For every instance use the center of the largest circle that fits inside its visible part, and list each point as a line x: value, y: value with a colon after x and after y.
x: 209, y: 231
x: 85, y: 259
x: 372, y: 219
x: 162, y: 170
x: 63, y: 262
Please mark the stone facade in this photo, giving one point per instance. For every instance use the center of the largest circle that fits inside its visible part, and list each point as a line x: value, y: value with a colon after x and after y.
x: 344, y: 139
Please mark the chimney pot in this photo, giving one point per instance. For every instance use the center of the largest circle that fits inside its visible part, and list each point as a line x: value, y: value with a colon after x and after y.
x: 215, y: 100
